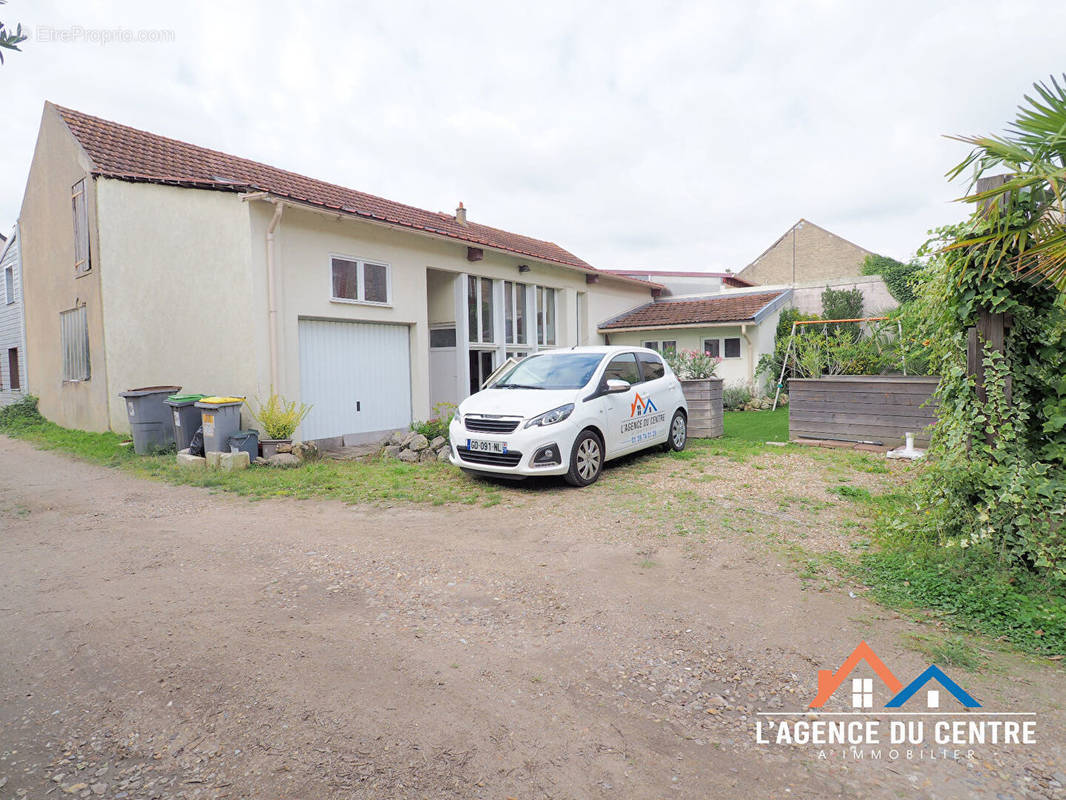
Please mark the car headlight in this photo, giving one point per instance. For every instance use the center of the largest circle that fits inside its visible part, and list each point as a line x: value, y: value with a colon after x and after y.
x: 553, y: 416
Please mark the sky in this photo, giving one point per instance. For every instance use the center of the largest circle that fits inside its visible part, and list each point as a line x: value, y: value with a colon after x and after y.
x: 665, y: 135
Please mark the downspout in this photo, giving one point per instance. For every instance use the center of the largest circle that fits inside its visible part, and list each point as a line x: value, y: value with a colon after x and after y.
x: 750, y: 351
x: 272, y: 294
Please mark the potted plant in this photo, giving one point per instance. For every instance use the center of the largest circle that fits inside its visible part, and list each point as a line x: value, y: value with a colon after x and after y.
x: 278, y: 418
x: 703, y: 390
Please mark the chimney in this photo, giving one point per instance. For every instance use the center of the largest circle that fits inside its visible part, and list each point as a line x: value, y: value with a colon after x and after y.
x: 460, y: 214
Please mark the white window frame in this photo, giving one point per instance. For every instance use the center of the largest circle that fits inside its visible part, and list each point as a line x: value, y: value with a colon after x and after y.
x: 542, y: 337
x: 519, y: 299
x: 9, y: 284
x: 862, y: 693
x: 79, y: 207
x: 721, y: 346
x: 75, y: 358
x: 361, y: 277
x: 497, y: 311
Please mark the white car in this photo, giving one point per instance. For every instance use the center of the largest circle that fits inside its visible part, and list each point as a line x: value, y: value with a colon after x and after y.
x: 566, y: 412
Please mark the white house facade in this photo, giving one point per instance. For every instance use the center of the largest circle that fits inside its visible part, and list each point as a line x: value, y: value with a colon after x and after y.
x: 12, y: 329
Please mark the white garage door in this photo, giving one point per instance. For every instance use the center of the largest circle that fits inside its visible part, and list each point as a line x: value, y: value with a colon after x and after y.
x: 356, y: 376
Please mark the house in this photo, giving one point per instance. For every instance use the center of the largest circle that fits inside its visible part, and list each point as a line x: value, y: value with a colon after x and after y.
x: 152, y: 261
x: 861, y: 688
x: 12, y: 330
x: 805, y: 253
x: 737, y: 327
x: 932, y: 696
x: 686, y: 283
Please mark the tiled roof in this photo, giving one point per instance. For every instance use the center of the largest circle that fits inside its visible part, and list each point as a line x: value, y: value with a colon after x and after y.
x: 668, y: 313
x: 118, y: 151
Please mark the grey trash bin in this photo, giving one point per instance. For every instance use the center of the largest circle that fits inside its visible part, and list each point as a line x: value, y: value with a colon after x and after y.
x: 248, y: 441
x: 221, y: 418
x: 186, y: 417
x: 151, y: 423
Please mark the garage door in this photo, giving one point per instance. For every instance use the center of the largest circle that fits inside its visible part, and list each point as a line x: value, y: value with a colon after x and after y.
x: 356, y: 376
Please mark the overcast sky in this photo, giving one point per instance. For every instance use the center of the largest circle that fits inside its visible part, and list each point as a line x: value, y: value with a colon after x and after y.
x: 666, y: 135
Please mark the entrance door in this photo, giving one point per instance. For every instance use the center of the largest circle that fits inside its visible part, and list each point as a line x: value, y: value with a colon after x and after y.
x: 356, y: 376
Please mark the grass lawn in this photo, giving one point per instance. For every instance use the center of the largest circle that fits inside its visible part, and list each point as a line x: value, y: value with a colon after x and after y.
x: 757, y: 426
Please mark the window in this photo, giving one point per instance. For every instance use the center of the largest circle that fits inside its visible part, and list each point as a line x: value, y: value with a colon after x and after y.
x: 862, y: 692
x: 74, y: 335
x: 623, y: 367
x: 651, y: 366
x: 482, y: 363
x: 732, y: 347
x: 13, y: 369
x: 545, y: 316
x: 442, y: 337
x: 669, y: 346
x: 514, y: 311
x: 9, y: 284
x: 712, y: 347
x: 479, y: 307
x: 579, y: 317
x: 360, y: 281
x: 651, y: 346
x: 81, y: 227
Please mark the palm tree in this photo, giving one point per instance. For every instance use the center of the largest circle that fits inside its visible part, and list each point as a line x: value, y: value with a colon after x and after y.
x: 1021, y: 217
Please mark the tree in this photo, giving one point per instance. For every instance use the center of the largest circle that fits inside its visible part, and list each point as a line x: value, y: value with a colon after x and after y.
x: 10, y: 40
x: 1024, y: 211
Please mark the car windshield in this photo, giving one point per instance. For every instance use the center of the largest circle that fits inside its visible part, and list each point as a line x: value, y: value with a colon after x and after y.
x: 551, y: 371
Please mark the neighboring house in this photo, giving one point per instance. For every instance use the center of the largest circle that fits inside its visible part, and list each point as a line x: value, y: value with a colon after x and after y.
x: 737, y: 327
x: 152, y: 261
x: 12, y: 330
x: 685, y: 283
x: 807, y: 297
x: 805, y: 253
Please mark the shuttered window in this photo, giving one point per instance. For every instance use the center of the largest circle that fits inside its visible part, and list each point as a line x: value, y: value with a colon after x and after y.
x: 74, y: 335
x: 81, y: 227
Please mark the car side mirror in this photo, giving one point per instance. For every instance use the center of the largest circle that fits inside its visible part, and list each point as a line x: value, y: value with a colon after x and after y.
x: 617, y: 386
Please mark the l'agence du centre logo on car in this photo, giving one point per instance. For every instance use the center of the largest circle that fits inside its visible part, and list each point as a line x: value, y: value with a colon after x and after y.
x: 643, y: 416
x: 929, y: 718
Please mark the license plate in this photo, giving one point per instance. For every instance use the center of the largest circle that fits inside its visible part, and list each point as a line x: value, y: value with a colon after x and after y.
x: 482, y: 446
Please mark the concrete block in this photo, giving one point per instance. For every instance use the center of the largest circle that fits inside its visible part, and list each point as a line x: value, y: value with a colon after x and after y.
x: 191, y: 462
x: 233, y: 461
x: 213, y: 457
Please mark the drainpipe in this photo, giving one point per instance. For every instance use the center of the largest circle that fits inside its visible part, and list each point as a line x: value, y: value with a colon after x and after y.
x: 272, y: 294
x: 751, y: 355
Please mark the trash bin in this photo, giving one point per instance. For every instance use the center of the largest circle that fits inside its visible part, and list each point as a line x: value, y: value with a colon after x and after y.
x: 221, y: 418
x: 151, y: 423
x: 186, y: 417
x: 248, y: 441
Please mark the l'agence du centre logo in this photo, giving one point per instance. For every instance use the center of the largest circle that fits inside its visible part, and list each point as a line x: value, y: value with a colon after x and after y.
x: 929, y: 718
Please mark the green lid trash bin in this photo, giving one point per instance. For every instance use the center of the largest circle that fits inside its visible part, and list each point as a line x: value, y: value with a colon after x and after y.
x: 186, y: 417
x: 151, y: 423
x: 221, y: 418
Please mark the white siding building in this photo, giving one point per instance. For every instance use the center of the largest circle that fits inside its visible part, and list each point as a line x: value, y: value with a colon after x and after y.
x: 12, y: 327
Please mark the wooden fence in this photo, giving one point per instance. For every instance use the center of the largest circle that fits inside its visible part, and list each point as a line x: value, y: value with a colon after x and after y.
x: 704, y: 398
x: 868, y: 408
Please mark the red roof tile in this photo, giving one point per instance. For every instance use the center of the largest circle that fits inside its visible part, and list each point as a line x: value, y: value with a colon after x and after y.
x: 668, y: 313
x: 119, y: 151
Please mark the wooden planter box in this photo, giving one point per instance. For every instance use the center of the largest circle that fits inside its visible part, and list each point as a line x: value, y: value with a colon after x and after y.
x: 869, y: 408
x: 704, y: 398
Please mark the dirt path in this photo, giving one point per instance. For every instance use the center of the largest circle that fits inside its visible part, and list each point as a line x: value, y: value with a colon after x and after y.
x: 161, y: 641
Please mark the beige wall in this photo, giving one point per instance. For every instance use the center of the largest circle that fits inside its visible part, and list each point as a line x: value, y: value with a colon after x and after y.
x: 178, y: 290
x: 754, y: 341
x: 306, y: 239
x: 51, y: 285
x: 805, y: 253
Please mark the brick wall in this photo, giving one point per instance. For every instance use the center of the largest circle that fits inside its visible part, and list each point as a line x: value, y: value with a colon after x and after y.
x: 806, y: 253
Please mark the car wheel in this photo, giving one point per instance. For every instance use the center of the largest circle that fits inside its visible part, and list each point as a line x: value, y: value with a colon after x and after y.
x: 586, y: 460
x: 678, y: 436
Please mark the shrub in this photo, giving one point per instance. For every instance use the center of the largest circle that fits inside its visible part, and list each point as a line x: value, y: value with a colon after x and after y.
x: 438, y: 424
x: 898, y: 277
x: 20, y: 415
x: 735, y: 397
x: 278, y: 417
x: 692, y: 364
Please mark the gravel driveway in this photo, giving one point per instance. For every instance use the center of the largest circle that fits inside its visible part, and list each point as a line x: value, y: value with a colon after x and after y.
x: 162, y: 642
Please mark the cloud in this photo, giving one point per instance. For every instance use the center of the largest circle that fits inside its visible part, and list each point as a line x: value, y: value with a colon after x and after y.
x: 685, y: 135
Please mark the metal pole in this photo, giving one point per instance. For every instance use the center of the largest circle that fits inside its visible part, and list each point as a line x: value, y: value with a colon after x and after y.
x: 784, y: 364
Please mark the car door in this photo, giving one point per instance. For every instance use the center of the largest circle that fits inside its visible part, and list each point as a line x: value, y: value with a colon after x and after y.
x: 623, y: 411
x: 658, y: 394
